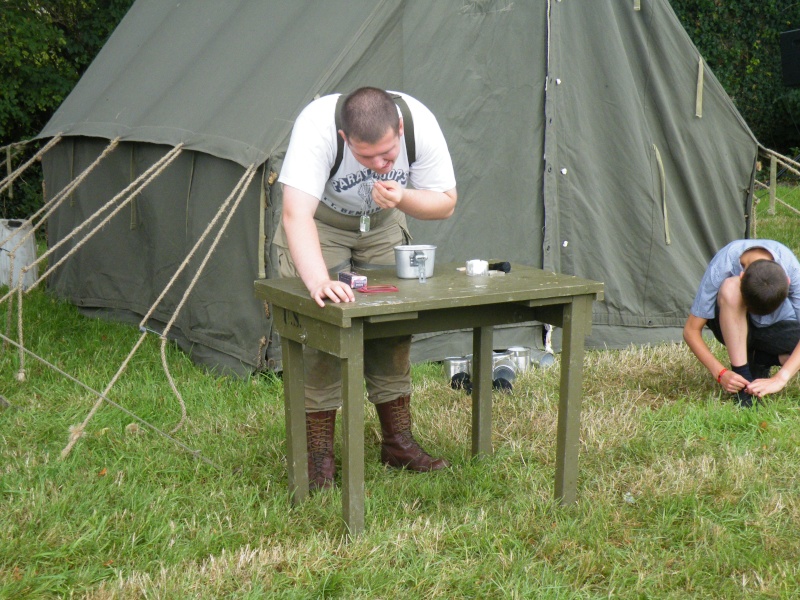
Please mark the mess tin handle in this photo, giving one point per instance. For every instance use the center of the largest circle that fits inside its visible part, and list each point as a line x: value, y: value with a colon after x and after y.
x: 419, y: 259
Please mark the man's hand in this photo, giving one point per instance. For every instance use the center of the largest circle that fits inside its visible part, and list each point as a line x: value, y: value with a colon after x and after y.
x: 387, y: 194
x: 337, y: 291
x: 304, y: 247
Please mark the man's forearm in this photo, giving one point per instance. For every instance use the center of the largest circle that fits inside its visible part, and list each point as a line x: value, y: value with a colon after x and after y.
x: 304, y: 249
x: 428, y: 205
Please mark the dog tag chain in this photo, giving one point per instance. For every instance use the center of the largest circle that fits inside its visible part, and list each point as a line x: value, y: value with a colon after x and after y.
x: 366, y: 195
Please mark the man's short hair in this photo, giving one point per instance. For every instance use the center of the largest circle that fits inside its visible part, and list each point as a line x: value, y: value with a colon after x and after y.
x: 368, y: 113
x: 764, y: 286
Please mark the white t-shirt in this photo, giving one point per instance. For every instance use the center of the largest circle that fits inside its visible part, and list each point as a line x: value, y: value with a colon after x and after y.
x: 312, y: 152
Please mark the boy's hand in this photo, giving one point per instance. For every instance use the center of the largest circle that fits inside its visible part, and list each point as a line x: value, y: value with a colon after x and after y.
x: 763, y: 387
x: 732, y: 382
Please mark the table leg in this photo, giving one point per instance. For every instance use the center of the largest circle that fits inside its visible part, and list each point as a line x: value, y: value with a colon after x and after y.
x: 353, y: 428
x: 482, y: 340
x: 295, y: 413
x: 577, y: 321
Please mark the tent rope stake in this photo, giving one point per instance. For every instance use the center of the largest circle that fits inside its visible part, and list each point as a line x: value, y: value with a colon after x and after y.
x: 77, y: 431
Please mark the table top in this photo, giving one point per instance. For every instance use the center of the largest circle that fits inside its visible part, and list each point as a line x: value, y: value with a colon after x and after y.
x: 447, y: 288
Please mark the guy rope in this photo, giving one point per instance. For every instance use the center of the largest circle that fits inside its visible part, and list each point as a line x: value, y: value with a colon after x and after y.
x: 148, y: 176
x: 118, y: 202
x: 13, y: 176
x: 49, y: 207
x: 243, y: 183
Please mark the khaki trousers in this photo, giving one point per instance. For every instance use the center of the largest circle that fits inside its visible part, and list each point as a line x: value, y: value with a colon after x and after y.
x: 387, y: 363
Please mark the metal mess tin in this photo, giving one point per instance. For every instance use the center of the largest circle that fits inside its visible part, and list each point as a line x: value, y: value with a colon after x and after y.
x: 415, y: 262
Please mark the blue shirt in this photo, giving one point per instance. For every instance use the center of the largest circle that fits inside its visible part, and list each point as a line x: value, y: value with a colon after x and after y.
x: 726, y: 264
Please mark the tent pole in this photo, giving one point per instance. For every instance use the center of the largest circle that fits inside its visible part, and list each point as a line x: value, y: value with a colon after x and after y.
x: 262, y: 234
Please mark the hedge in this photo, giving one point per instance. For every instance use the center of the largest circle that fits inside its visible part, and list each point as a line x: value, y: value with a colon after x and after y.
x: 740, y: 42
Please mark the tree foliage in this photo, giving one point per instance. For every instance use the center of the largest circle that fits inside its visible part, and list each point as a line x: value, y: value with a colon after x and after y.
x: 47, y: 45
x: 740, y: 42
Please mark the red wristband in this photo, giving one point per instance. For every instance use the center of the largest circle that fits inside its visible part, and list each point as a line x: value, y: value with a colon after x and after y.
x: 721, y: 373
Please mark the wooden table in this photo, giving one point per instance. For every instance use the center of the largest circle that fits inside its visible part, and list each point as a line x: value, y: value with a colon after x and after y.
x: 448, y: 301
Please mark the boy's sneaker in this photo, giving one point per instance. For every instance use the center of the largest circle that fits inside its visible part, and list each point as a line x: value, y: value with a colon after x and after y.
x: 743, y: 399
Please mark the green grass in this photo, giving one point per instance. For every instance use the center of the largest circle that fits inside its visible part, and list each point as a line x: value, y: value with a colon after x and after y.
x: 681, y: 495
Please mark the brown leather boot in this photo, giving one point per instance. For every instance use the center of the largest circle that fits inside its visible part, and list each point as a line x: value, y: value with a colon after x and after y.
x: 399, y: 448
x: 319, y: 440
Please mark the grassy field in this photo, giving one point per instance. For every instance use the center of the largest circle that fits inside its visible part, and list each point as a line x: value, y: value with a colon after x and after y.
x: 681, y: 494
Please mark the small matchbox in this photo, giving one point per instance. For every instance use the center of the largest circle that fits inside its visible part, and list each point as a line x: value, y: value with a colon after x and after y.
x: 354, y: 280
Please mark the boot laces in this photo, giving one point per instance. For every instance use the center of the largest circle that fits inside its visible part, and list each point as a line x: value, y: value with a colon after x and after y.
x: 317, y: 433
x: 402, y: 420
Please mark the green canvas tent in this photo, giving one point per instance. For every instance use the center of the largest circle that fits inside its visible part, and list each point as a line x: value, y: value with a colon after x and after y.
x: 588, y: 138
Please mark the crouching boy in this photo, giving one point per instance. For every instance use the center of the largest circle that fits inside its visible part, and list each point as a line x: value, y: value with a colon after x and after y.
x: 749, y: 298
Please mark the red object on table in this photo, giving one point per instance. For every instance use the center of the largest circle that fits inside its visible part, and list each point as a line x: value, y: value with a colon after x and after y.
x: 377, y: 289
